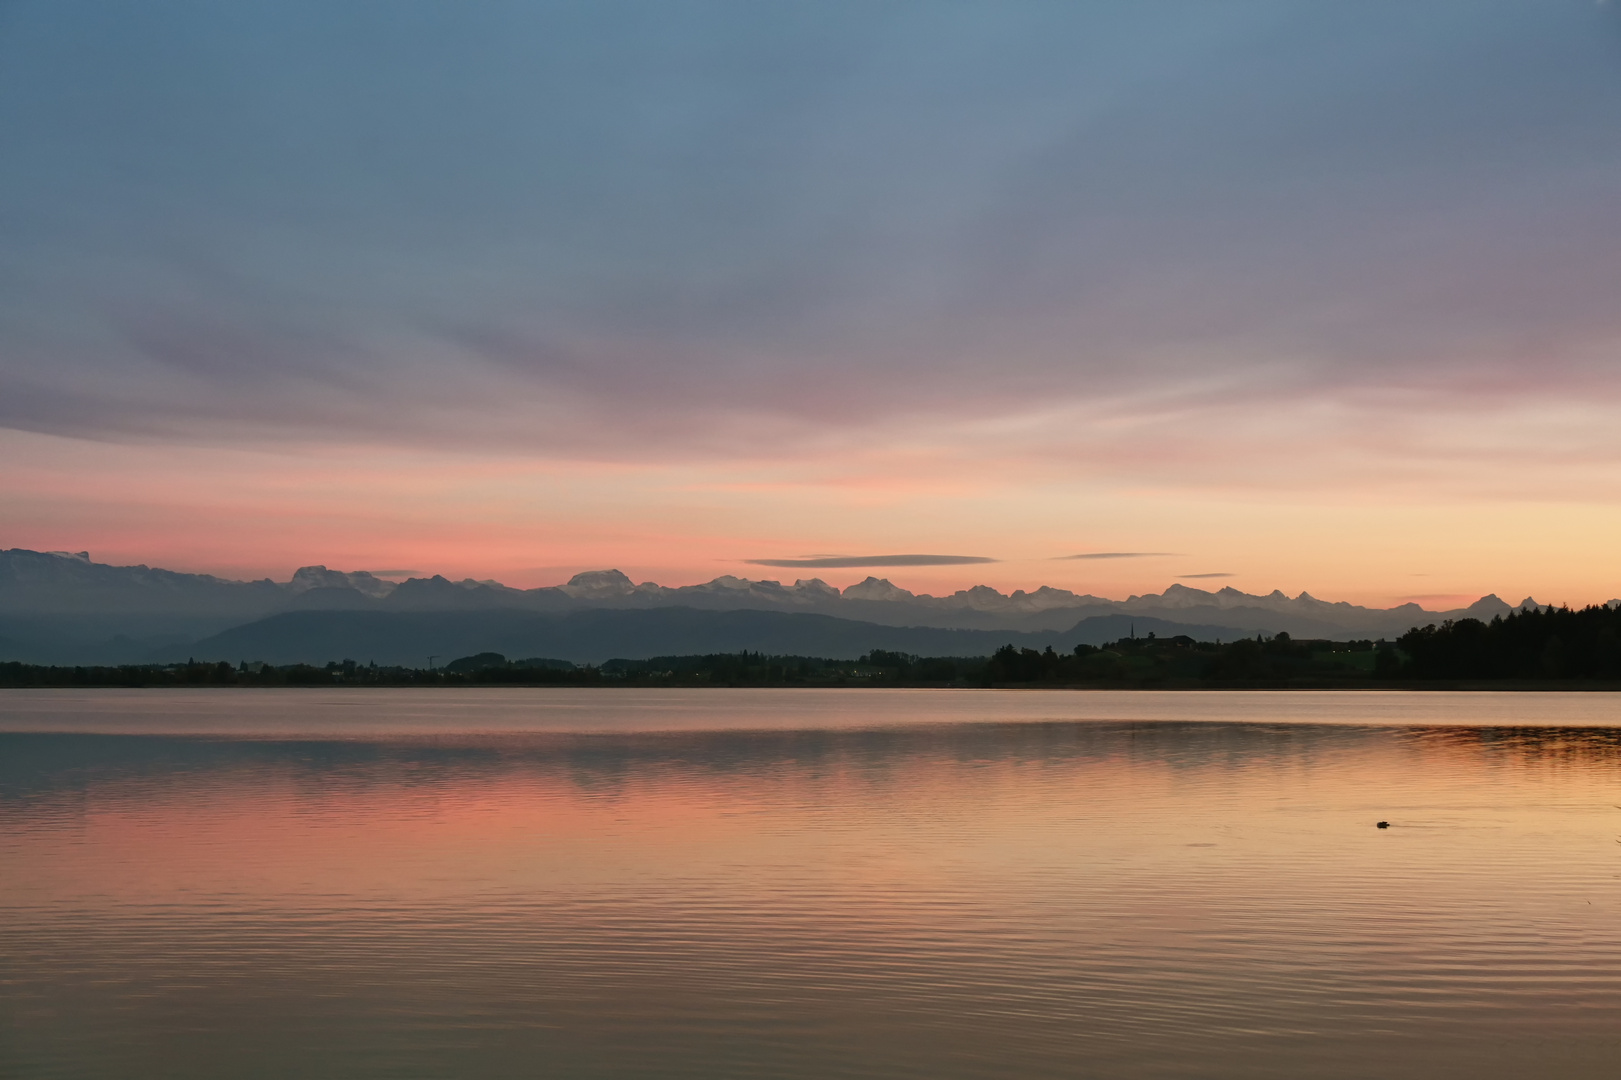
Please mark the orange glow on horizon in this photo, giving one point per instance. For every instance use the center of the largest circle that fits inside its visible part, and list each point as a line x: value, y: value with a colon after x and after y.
x: 257, y: 513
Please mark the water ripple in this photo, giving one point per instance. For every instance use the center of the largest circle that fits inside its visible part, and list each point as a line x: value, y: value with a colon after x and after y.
x: 904, y: 897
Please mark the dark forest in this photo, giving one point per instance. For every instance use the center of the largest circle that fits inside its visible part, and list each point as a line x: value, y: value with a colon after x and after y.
x: 1544, y: 648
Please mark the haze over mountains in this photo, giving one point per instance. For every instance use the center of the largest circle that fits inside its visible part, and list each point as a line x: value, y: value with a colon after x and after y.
x: 63, y: 607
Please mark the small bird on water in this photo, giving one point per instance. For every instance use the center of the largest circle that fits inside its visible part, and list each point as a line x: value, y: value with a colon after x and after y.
x: 1383, y: 825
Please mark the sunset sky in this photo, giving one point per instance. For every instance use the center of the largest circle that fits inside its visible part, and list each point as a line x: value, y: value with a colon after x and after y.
x: 1296, y: 295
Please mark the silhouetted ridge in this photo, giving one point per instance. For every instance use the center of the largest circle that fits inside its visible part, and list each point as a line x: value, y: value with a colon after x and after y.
x: 597, y: 635
x: 60, y: 607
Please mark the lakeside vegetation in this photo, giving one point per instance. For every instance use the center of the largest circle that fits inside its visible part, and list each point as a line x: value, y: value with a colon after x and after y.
x: 1549, y: 647
x: 1547, y: 644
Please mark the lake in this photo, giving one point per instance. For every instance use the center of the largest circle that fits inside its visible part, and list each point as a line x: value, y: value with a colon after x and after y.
x: 808, y: 883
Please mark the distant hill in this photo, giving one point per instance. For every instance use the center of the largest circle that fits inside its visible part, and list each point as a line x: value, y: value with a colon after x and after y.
x: 409, y: 638
x: 65, y: 608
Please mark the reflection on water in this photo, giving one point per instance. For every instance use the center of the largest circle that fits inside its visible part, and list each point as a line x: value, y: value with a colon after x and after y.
x: 1120, y: 899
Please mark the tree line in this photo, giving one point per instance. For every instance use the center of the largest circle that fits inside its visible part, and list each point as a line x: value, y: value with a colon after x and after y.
x: 1534, y: 646
x: 1532, y: 643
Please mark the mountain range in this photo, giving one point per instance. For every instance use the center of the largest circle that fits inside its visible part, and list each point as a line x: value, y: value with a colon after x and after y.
x: 63, y: 607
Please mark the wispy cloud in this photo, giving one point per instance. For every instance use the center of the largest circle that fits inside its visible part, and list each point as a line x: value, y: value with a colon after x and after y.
x: 897, y: 217
x: 837, y: 561
x: 668, y: 277
x: 1192, y: 577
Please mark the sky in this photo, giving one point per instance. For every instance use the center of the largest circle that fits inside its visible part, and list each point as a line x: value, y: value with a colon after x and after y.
x: 1299, y: 295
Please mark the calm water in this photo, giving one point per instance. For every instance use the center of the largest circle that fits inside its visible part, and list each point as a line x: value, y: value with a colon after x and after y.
x: 808, y: 884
